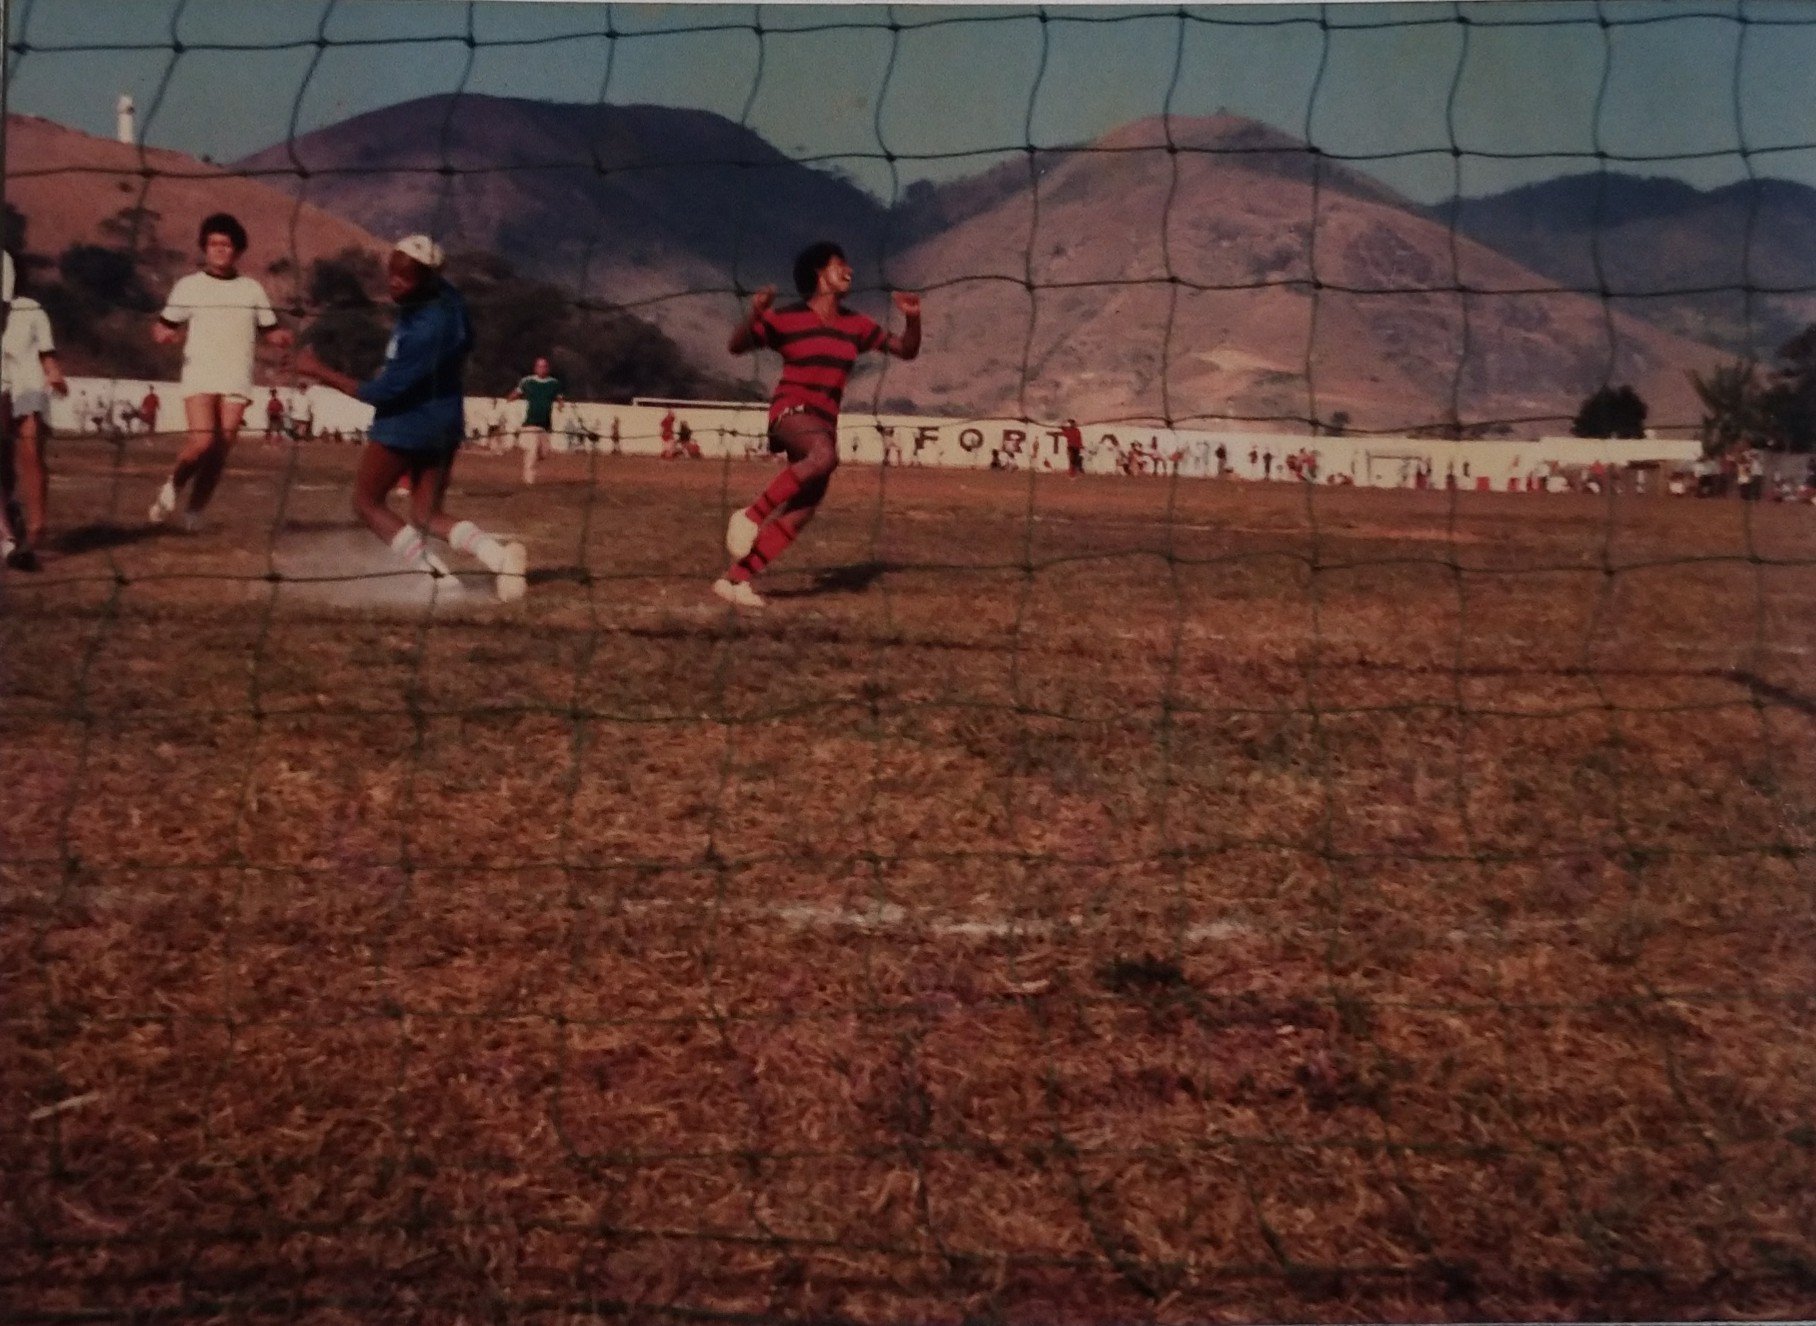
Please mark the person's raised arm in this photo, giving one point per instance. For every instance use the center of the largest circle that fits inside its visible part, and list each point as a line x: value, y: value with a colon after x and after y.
x: 907, y: 344
x: 748, y: 334
x: 308, y: 365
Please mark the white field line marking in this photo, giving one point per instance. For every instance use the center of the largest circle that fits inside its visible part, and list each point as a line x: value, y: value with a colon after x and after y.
x: 892, y: 918
x: 888, y: 917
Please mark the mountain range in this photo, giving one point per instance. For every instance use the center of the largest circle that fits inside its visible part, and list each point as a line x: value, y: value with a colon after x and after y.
x: 1180, y: 269
x: 1734, y: 266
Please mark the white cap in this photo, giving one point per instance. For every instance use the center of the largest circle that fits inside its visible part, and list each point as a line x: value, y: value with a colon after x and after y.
x: 8, y: 296
x: 420, y: 247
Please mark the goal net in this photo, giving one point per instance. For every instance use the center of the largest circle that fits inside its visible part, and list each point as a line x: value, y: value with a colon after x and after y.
x: 1271, y: 779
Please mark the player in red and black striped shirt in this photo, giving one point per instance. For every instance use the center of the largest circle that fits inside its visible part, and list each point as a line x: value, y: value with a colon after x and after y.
x: 819, y: 340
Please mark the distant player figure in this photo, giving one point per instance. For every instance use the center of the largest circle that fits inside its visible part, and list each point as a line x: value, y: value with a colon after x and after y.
x: 218, y: 315
x: 539, y: 392
x: 819, y: 340
x: 274, y: 416
x: 666, y: 430
x: 1075, y: 447
x: 418, y: 421
x: 29, y: 376
x: 148, y: 410
x: 684, y: 441
x: 302, y: 417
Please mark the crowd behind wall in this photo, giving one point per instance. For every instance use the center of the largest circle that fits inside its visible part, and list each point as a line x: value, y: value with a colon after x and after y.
x: 710, y: 430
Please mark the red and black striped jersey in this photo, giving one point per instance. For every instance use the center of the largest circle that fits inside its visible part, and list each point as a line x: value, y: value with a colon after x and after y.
x: 817, y: 355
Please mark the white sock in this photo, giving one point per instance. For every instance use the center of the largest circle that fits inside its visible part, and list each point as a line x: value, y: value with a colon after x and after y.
x: 468, y: 538
x: 407, y: 544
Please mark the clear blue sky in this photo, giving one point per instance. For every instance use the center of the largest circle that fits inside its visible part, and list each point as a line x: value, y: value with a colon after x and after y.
x: 1517, y: 87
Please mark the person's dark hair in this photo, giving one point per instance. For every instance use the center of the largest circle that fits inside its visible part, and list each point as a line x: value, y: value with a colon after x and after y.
x: 222, y: 223
x: 811, y: 261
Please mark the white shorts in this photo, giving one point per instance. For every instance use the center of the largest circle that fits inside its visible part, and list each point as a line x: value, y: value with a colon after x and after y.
x: 31, y: 401
x: 215, y: 384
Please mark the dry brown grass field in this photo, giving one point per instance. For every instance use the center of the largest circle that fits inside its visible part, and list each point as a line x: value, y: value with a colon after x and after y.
x: 1072, y: 901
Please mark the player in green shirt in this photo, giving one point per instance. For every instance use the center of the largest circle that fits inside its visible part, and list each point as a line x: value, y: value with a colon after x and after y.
x: 539, y: 392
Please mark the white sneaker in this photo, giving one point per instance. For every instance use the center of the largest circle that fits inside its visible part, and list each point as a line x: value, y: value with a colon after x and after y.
x: 741, y: 534
x: 163, y: 504
x: 511, y: 584
x: 738, y: 593
x: 437, y: 568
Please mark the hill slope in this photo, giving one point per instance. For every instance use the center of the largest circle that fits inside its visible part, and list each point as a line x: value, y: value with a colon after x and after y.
x: 665, y: 211
x: 139, y: 210
x: 1210, y: 269
x: 1675, y: 255
x: 74, y: 188
x: 1147, y: 282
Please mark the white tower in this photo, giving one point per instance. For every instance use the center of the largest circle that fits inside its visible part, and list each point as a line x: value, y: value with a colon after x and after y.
x: 128, y: 131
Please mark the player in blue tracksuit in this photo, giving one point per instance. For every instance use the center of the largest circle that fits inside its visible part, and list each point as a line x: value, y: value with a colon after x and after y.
x: 418, y: 420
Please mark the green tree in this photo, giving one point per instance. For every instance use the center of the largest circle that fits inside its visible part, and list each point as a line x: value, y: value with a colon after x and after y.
x: 1731, y: 397
x: 1788, y: 400
x: 99, y: 305
x: 12, y: 230
x: 346, y: 327
x: 1611, y: 412
x: 601, y: 352
x: 107, y: 278
x: 1744, y: 406
x: 352, y: 278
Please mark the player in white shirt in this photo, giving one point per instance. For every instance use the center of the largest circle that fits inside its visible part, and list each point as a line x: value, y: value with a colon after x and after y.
x: 29, y: 373
x: 302, y: 417
x: 218, y: 315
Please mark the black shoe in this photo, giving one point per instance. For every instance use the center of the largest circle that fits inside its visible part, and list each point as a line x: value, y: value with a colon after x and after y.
x: 24, y: 559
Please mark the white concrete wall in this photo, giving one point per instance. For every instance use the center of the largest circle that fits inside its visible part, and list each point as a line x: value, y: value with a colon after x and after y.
x: 94, y: 401
x: 740, y: 430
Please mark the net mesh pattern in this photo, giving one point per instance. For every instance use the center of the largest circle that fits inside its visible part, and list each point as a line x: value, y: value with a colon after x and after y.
x: 1144, y: 897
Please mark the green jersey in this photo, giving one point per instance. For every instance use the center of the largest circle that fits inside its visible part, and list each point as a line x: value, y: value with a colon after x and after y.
x: 539, y: 397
